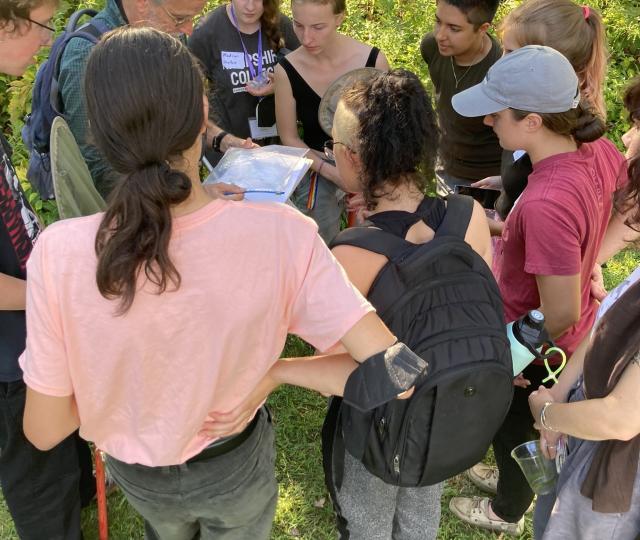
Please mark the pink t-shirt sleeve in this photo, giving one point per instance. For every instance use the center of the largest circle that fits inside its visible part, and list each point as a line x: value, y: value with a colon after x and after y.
x: 551, y: 239
x: 44, y: 362
x: 326, y: 305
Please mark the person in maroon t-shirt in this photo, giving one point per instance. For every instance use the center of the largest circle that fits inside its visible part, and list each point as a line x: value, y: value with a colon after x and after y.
x: 551, y: 237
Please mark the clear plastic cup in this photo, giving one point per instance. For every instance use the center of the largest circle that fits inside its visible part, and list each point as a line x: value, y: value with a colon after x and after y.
x: 539, y: 471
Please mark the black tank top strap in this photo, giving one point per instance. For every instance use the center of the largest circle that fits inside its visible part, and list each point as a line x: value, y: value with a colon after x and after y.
x: 373, y: 57
x: 397, y: 222
x: 307, y: 104
x: 432, y: 211
x: 298, y: 84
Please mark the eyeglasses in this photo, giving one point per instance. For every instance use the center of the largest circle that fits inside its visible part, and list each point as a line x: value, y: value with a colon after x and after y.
x: 328, y: 149
x: 178, y: 21
x: 46, y: 27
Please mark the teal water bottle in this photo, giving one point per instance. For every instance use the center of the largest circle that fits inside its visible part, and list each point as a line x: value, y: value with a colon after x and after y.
x: 527, y: 336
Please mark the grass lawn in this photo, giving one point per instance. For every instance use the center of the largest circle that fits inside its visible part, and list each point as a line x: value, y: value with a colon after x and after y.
x: 304, y: 510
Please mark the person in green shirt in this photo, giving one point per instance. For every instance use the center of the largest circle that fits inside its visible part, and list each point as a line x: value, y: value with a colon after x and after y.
x: 172, y: 16
x: 458, y: 53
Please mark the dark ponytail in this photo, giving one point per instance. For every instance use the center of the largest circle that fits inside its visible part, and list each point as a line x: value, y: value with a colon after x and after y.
x: 581, y: 123
x: 145, y: 106
x: 271, y: 24
x: 590, y: 126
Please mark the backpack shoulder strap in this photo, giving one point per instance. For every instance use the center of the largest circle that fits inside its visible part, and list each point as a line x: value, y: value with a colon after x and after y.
x: 456, y: 219
x: 72, y: 24
x: 91, y: 31
x: 373, y: 239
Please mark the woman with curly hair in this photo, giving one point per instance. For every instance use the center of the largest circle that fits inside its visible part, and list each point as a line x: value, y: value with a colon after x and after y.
x: 239, y: 44
x: 385, y: 140
x: 595, y: 406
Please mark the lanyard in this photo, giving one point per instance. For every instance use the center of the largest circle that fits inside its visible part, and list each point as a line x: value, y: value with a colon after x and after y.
x: 247, y: 58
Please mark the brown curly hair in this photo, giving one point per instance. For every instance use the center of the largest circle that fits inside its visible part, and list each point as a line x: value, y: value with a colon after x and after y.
x: 271, y: 23
x: 14, y: 13
x: 628, y: 197
x: 397, y: 136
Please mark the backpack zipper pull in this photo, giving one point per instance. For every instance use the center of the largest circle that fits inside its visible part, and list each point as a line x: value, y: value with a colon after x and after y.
x: 396, y: 464
x: 381, y: 427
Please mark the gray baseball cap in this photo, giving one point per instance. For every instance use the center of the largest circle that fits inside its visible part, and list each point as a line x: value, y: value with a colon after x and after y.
x: 533, y: 78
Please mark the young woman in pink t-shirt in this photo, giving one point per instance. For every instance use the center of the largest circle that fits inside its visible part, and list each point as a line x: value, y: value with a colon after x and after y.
x: 551, y: 237
x: 156, y: 327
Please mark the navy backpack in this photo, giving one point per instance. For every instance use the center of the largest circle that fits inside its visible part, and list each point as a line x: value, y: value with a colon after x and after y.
x: 47, y: 102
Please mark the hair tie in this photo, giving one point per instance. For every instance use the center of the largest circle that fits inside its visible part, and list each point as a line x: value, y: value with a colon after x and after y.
x: 162, y: 166
x: 586, y: 11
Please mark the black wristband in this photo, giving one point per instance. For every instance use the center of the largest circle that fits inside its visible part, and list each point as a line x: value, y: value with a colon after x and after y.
x: 217, y: 141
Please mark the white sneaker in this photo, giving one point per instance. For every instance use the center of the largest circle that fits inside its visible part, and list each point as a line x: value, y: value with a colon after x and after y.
x: 475, y: 511
x: 484, y: 477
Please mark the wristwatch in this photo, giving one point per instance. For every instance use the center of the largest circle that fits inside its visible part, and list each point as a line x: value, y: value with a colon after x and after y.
x: 217, y: 141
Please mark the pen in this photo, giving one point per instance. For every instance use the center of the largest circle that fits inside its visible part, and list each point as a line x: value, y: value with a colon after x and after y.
x: 271, y: 191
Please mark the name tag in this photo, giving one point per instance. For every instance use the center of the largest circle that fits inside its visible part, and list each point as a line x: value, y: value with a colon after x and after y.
x: 232, y: 60
x: 258, y: 132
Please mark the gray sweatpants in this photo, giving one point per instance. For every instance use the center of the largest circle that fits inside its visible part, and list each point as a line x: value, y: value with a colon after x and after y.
x: 375, y: 510
x: 228, y: 497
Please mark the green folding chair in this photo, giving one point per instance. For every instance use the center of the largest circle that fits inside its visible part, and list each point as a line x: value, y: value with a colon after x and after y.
x: 72, y: 184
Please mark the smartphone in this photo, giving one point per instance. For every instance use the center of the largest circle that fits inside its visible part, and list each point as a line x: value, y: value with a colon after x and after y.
x: 486, y: 197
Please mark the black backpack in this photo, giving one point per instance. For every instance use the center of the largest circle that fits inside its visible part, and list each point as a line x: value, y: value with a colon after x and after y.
x: 441, y: 299
x: 47, y: 102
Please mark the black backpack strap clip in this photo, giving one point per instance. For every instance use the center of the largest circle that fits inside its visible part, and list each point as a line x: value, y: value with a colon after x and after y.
x: 373, y: 239
x: 456, y: 219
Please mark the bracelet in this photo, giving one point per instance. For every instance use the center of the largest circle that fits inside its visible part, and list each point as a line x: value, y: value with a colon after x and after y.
x: 543, y: 417
x: 321, y: 165
x: 217, y: 141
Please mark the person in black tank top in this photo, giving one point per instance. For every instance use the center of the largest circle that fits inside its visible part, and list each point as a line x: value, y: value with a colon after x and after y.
x: 392, y: 169
x: 308, y: 103
x: 301, y: 79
